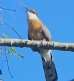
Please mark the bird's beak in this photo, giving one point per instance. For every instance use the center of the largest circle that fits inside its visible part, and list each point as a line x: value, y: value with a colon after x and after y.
x: 26, y: 8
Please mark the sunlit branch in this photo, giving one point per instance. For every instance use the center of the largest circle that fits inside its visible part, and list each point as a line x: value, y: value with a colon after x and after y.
x: 37, y: 44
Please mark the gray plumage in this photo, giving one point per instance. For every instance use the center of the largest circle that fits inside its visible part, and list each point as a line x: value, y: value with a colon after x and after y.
x: 46, y: 32
x: 47, y: 58
x: 41, y: 32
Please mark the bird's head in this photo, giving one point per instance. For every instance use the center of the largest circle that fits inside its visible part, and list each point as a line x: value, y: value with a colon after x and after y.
x: 31, y: 13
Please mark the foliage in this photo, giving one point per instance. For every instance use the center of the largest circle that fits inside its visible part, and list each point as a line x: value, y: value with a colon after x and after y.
x: 11, y: 50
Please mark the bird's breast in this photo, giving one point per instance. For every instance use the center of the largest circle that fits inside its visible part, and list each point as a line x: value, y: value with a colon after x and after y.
x: 35, y: 30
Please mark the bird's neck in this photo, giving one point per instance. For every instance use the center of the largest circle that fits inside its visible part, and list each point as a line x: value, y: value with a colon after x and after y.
x: 32, y: 16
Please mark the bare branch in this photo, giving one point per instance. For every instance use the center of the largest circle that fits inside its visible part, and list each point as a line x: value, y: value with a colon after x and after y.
x: 8, y: 9
x: 37, y: 44
x: 8, y: 66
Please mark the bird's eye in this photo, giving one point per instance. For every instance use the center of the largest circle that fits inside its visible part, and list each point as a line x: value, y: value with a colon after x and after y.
x: 33, y: 12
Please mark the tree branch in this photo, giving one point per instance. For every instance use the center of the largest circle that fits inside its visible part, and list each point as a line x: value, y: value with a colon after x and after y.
x: 37, y: 44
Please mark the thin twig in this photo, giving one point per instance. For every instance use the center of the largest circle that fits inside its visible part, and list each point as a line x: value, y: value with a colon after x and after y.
x: 13, y: 17
x: 2, y: 64
x: 8, y: 9
x: 21, y: 5
x: 8, y: 66
x: 1, y: 21
x: 12, y: 28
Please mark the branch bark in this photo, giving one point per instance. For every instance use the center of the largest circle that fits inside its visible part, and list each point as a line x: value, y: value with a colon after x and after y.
x: 37, y: 44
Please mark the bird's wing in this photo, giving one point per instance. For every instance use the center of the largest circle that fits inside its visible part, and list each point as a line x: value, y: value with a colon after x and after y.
x: 47, y: 58
x: 46, y: 33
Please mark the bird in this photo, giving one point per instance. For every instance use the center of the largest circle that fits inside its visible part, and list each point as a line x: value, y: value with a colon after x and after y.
x: 38, y: 31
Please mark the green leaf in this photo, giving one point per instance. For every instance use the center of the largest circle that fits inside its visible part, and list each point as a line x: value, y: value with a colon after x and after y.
x: 5, y: 36
x: 11, y: 49
x: 20, y: 55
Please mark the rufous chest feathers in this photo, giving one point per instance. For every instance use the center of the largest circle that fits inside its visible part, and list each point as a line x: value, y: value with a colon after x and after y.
x: 34, y: 24
x: 35, y: 29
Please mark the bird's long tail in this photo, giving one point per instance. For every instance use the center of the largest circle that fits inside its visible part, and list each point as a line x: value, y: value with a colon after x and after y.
x: 49, y: 66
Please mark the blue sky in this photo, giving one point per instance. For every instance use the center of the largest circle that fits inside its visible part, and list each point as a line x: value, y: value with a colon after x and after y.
x: 58, y: 16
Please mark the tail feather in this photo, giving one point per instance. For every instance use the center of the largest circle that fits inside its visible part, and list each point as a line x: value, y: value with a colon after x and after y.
x: 49, y: 70
x: 48, y: 65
